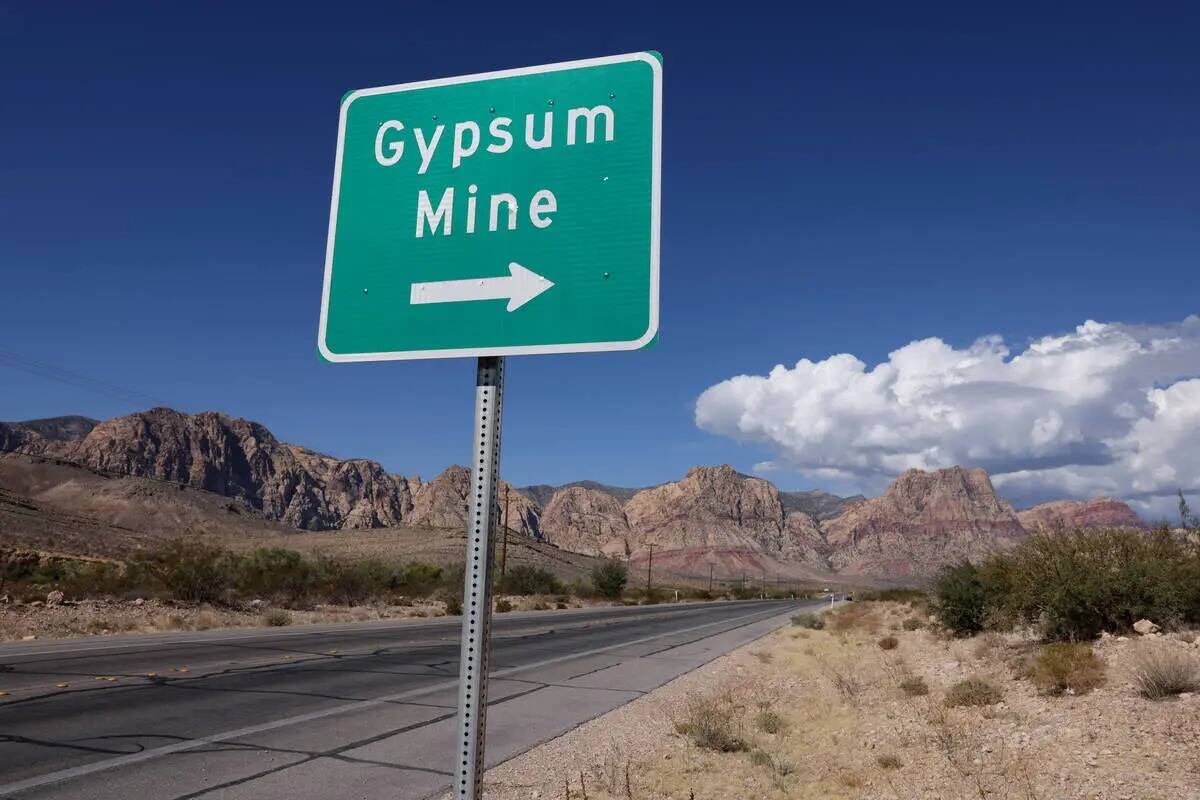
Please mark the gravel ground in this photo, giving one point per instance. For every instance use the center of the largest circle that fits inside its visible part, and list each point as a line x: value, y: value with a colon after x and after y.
x: 847, y: 730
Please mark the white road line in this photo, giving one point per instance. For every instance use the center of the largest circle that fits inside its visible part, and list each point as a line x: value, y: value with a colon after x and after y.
x: 359, y: 705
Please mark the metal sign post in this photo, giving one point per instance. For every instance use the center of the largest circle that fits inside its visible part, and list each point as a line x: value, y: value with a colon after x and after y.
x: 504, y: 213
x: 482, y: 522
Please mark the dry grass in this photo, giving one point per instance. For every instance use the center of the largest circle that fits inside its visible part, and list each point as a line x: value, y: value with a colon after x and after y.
x: 912, y: 624
x: 714, y: 721
x: 850, y: 735
x: 1162, y: 671
x: 811, y: 621
x: 276, y: 618
x: 973, y: 692
x: 769, y: 721
x: 854, y: 617
x: 1065, y: 668
x: 914, y: 686
x: 889, y: 761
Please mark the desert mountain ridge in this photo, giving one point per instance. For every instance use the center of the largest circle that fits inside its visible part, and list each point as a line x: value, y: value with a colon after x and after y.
x: 714, y: 514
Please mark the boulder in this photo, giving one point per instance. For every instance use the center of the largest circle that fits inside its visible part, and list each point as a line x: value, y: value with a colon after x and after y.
x: 1145, y: 627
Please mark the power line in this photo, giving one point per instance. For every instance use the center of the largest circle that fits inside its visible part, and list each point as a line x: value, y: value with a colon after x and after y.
x: 70, y: 377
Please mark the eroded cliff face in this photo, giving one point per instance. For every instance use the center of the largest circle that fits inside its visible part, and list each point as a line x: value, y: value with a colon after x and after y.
x: 443, y: 503
x: 1100, y: 512
x: 587, y: 521
x: 923, y: 520
x: 719, y: 507
x: 240, y: 459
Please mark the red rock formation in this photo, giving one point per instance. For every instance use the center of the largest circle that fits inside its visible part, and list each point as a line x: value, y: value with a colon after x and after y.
x: 1100, y: 512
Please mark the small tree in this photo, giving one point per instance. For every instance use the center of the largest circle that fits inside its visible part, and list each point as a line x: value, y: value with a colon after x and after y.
x: 1187, y: 520
x: 959, y: 599
x: 609, y: 579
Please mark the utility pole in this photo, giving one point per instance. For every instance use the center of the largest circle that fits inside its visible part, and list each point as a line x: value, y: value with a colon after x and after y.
x: 504, y: 541
x: 649, y: 570
x: 710, y: 568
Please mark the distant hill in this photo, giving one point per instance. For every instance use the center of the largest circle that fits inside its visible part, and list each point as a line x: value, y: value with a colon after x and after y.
x: 713, y: 515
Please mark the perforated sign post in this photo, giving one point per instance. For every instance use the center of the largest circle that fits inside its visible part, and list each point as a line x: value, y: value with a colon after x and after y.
x: 505, y: 213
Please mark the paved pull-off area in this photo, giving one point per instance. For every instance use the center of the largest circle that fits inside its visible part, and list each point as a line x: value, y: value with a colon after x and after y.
x: 365, y: 710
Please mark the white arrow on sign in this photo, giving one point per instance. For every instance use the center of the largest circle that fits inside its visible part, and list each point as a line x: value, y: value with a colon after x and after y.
x: 521, y: 286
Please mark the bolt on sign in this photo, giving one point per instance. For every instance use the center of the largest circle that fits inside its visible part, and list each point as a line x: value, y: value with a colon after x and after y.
x: 506, y: 213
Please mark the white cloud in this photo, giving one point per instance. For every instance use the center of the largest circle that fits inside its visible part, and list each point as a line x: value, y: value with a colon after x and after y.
x: 1109, y: 408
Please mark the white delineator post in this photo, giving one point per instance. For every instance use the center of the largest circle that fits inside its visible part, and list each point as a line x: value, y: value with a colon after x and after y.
x: 483, y: 512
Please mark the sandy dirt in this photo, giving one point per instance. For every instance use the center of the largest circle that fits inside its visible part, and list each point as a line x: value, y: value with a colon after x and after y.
x: 848, y: 731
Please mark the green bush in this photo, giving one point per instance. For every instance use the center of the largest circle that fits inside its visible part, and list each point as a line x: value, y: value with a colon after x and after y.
x: 959, y: 599
x: 896, y: 595
x: 193, y: 573
x: 282, y: 575
x: 973, y: 692
x: 609, y: 579
x: 525, y: 579
x: 422, y: 579
x: 1065, y: 667
x: 813, y: 622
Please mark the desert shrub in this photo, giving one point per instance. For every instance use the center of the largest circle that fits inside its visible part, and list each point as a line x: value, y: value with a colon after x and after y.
x: 959, y: 599
x: 503, y: 606
x: 277, y: 618
x: 895, y: 595
x: 652, y: 596
x: 193, y: 573
x: 418, y: 578
x: 858, y: 616
x: 1162, y: 671
x: 768, y: 721
x: 712, y: 722
x: 889, y: 761
x: 912, y: 624
x: 1076, y: 584
x: 352, y: 583
x: 973, y: 692
x: 609, y: 579
x: 744, y: 592
x: 283, y: 575
x: 525, y: 579
x: 761, y: 758
x: 1065, y: 667
x: 453, y: 603
x: 813, y: 622
x: 914, y: 686
x: 888, y: 643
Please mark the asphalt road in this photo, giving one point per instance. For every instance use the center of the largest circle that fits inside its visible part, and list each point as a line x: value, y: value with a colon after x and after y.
x: 364, y: 710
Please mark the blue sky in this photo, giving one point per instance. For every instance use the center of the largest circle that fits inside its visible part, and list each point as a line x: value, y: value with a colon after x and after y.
x: 840, y: 180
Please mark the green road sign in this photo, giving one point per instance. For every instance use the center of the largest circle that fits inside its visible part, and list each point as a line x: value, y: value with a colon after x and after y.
x: 505, y: 213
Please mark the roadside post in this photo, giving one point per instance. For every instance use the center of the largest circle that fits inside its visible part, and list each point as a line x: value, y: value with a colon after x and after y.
x: 485, y: 216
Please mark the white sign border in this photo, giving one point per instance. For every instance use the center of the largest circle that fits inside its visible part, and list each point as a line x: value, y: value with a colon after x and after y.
x: 516, y: 350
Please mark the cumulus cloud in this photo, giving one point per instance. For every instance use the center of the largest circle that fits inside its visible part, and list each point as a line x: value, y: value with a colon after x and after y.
x: 1108, y: 408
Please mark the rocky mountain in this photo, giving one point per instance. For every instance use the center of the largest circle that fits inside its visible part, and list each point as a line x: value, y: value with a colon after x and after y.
x: 923, y: 520
x: 818, y: 504
x: 1100, y: 512
x: 712, y: 516
x: 49, y: 437
x: 587, y: 520
x: 719, y: 507
x: 443, y: 503
x: 543, y: 493
x: 232, y: 457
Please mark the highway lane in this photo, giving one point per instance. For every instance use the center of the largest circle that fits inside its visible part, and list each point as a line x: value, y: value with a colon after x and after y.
x: 360, y: 710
